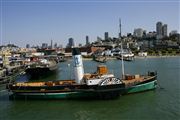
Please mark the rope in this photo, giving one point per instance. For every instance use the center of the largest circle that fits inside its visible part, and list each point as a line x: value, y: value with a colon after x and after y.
x: 159, y: 86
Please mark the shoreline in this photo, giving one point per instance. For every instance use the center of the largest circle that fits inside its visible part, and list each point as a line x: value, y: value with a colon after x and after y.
x: 139, y: 57
x: 167, y: 56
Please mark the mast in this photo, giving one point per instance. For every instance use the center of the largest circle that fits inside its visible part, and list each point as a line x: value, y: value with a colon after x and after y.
x: 122, y: 61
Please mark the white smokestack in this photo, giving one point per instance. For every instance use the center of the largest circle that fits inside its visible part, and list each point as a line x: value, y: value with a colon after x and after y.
x: 78, y: 65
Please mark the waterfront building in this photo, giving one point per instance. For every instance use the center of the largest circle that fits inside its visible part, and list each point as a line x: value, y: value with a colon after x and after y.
x: 6, y: 55
x: 142, y: 54
x: 88, y: 50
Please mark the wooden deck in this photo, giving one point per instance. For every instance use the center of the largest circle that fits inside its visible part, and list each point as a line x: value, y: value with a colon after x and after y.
x: 137, y: 80
x: 49, y: 83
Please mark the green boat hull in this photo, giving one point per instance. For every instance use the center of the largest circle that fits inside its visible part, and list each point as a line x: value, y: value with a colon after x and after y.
x: 65, y: 95
x: 142, y: 87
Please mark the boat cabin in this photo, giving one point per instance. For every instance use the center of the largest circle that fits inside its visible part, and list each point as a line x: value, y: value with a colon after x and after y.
x: 96, y: 78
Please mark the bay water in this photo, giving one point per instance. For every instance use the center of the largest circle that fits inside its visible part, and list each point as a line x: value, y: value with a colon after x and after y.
x: 160, y: 104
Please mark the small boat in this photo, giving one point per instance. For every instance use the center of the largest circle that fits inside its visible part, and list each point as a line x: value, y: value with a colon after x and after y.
x: 97, y: 85
x: 61, y: 57
x: 41, y: 67
x: 100, y: 59
x: 127, y: 56
x: 140, y: 83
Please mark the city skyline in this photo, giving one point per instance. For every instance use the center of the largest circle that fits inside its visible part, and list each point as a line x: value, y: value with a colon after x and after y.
x: 37, y: 22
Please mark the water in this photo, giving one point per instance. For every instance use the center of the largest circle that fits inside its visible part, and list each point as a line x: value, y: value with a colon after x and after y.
x: 159, y: 104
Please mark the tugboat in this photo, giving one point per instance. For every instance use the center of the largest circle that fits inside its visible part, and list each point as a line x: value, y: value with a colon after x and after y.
x: 99, y: 56
x: 101, y: 59
x: 126, y: 56
x: 41, y: 67
x: 98, y: 85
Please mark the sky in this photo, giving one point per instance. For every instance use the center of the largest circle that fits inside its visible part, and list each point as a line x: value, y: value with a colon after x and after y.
x: 39, y: 21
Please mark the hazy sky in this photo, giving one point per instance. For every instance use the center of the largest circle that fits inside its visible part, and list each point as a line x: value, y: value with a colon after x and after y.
x: 37, y: 21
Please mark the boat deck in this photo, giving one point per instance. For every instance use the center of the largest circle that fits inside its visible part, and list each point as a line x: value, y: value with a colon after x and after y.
x: 49, y: 83
x: 137, y: 80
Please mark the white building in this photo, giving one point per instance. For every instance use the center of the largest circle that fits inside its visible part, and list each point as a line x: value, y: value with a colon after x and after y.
x: 142, y: 54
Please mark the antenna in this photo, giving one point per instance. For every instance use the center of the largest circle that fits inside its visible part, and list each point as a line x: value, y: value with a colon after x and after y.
x: 122, y: 61
x: 120, y: 28
x: 51, y: 44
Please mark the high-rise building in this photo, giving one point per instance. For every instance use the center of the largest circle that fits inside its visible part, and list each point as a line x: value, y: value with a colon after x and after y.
x: 51, y: 44
x: 138, y: 32
x: 55, y: 45
x: 44, y: 45
x: 71, y: 43
x: 87, y: 40
x: 164, y: 30
x: 27, y: 46
x: 106, y: 36
x: 159, y: 30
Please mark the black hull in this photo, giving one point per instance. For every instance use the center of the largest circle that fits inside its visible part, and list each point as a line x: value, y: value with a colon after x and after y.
x: 76, y: 88
x: 39, y: 72
x: 83, y: 91
x: 126, y: 58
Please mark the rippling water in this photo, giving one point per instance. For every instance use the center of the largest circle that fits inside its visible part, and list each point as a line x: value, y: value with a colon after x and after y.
x: 162, y: 103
